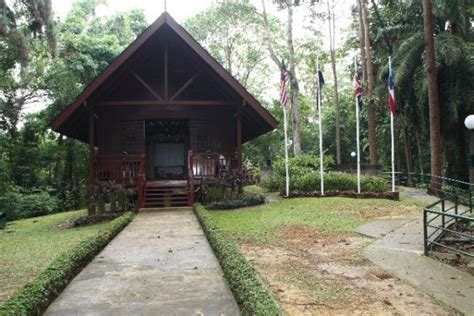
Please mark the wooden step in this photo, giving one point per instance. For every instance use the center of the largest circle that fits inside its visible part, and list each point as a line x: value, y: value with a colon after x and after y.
x: 171, y: 198
x: 161, y: 194
x: 165, y: 209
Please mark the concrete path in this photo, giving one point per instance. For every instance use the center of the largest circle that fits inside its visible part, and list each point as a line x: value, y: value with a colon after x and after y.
x: 160, y: 264
x: 398, y: 248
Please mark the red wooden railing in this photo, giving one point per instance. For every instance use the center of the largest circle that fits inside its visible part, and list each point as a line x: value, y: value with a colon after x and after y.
x: 129, y: 170
x: 208, y: 165
x: 121, y: 168
x: 126, y: 169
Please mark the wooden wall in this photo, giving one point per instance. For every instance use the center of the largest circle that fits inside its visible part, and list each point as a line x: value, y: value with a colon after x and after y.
x: 121, y: 128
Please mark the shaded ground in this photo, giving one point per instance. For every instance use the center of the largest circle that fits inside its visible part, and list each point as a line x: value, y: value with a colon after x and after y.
x: 307, y: 252
x: 28, y: 246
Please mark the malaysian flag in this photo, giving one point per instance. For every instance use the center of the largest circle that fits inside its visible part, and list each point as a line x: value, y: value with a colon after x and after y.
x: 283, y: 81
x: 358, y: 89
x: 391, y: 91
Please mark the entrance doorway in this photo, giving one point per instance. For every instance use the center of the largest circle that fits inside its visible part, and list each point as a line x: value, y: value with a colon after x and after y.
x: 167, y: 144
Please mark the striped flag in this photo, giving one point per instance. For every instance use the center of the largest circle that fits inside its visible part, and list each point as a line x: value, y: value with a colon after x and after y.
x: 358, y: 89
x: 283, y: 81
x: 391, y: 91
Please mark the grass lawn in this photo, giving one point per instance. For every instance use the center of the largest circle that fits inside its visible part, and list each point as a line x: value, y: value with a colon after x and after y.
x: 306, y: 251
x: 28, y: 246
x: 333, y: 214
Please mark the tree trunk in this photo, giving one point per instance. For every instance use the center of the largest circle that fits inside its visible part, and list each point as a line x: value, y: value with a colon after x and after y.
x: 408, y: 157
x: 432, y: 75
x: 420, y: 153
x: 362, y: 43
x: 332, y: 30
x: 294, y: 91
x: 467, y: 21
x: 374, y: 159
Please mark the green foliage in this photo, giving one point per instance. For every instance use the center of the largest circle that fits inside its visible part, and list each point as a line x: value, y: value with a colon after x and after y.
x: 249, y: 291
x: 301, y: 165
x: 305, y: 176
x: 244, y: 201
x: 298, y: 167
x: 31, y: 156
x: 35, y: 296
x: 335, y: 181
x: 231, y: 32
x: 17, y: 204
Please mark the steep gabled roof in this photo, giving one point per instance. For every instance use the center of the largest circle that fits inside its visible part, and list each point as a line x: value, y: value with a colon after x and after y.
x: 165, y: 19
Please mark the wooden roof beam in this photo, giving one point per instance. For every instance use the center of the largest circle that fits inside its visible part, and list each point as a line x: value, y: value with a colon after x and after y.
x: 161, y: 102
x: 146, y: 85
x: 185, y: 85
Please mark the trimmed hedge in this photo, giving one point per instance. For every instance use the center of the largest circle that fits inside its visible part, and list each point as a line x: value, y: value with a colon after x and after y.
x: 249, y: 291
x: 36, y: 295
x: 333, y: 181
x: 242, y: 202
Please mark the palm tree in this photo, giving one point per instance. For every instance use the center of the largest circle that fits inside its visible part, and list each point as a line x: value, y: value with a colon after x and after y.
x: 432, y: 75
x: 455, y: 91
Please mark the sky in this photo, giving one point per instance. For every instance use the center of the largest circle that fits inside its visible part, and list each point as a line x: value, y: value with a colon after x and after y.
x: 179, y: 9
x: 184, y: 9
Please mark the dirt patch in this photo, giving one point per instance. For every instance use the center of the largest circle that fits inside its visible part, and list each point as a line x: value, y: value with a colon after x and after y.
x: 383, y: 212
x: 312, y: 272
x: 461, y: 237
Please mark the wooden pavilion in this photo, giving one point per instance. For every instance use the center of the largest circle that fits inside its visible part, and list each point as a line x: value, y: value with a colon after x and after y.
x: 163, y: 116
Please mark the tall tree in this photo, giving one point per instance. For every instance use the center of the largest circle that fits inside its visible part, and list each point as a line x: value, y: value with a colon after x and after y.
x: 230, y: 31
x: 361, y: 39
x: 332, y: 48
x: 374, y: 159
x: 294, y: 87
x: 35, y: 15
x: 432, y: 75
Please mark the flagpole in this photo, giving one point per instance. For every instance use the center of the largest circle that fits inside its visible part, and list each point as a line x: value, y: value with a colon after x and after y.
x: 321, y: 154
x: 287, y: 176
x: 357, y: 132
x: 392, y: 132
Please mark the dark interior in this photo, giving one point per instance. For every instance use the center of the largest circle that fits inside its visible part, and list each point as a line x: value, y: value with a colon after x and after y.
x: 167, y: 144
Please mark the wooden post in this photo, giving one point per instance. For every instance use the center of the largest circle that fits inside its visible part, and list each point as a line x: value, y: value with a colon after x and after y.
x: 91, y: 204
x: 166, y: 71
x: 141, y: 183
x: 190, y: 179
x: 239, y: 139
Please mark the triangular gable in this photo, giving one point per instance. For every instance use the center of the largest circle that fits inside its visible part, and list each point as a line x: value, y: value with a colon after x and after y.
x: 165, y: 18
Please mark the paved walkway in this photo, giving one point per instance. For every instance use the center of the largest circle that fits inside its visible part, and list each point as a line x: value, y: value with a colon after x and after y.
x: 398, y: 248
x: 160, y: 264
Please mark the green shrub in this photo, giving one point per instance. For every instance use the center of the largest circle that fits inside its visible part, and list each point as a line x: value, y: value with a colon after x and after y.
x: 36, y: 295
x: 242, y: 202
x: 18, y: 205
x: 297, y: 168
x: 333, y: 181
x: 373, y: 184
x: 251, y: 295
